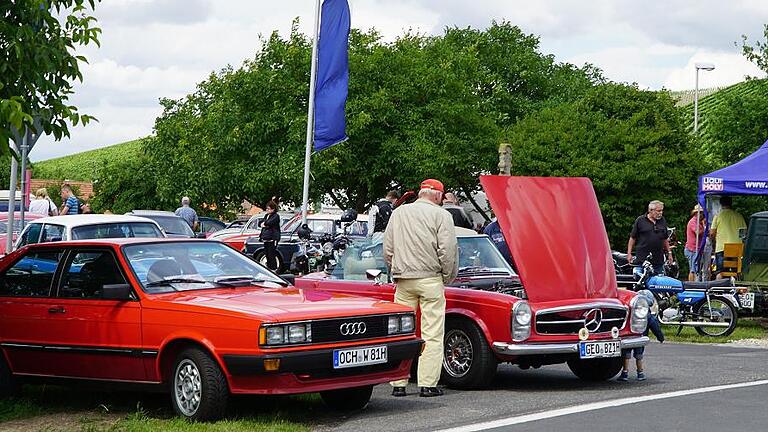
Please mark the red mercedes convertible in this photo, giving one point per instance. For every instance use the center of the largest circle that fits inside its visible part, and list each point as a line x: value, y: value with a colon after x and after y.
x: 568, y: 309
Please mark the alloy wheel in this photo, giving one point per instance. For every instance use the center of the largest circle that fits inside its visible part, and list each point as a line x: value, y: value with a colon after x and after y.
x: 458, y: 353
x: 188, y: 388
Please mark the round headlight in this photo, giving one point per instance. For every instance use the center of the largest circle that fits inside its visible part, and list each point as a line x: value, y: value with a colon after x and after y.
x: 522, y: 313
x: 641, y: 308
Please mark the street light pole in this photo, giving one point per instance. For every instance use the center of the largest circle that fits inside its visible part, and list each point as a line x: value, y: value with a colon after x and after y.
x: 706, y: 67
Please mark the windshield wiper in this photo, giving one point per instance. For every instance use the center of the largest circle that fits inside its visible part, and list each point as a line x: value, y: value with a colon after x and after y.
x: 472, y: 269
x: 175, y: 280
x: 239, y: 279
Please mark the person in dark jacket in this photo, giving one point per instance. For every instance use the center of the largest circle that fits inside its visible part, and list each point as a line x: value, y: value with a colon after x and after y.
x: 460, y: 217
x: 270, y: 234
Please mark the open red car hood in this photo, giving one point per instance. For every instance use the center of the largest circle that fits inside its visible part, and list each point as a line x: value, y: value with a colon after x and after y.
x: 555, y: 234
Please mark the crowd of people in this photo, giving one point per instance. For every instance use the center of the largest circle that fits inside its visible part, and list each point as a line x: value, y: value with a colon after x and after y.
x: 649, y: 238
x: 70, y: 204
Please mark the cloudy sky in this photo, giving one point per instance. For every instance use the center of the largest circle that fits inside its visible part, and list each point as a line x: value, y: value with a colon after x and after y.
x: 162, y: 48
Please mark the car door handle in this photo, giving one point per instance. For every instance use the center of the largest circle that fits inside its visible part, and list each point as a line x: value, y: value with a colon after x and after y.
x: 57, y: 309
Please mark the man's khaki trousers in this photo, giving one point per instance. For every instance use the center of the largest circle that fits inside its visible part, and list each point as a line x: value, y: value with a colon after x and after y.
x: 427, y: 294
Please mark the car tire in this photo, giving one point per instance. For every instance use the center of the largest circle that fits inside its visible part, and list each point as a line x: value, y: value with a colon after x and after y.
x: 349, y: 399
x: 261, y: 258
x: 468, y: 361
x: 9, y: 384
x: 199, y: 389
x: 600, y: 369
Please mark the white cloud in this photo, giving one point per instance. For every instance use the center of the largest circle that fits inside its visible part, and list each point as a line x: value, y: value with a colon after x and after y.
x: 729, y: 69
x: 162, y: 48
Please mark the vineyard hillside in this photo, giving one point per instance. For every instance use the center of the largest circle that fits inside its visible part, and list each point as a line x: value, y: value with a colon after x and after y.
x: 85, y: 166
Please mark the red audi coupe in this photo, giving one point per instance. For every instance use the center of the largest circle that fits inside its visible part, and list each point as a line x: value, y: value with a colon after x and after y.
x: 195, y: 318
x: 568, y: 309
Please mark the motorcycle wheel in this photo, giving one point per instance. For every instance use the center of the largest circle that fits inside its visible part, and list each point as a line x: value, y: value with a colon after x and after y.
x: 719, y: 309
x: 261, y: 258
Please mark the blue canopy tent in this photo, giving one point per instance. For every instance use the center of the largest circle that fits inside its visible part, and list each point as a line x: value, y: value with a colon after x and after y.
x: 748, y: 176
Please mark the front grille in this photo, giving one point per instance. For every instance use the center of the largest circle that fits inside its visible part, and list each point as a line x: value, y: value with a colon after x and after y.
x: 330, y: 330
x: 570, y: 321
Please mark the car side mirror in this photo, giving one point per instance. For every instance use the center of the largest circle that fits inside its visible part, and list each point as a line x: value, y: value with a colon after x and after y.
x: 117, y: 292
x: 200, y: 235
x: 290, y: 278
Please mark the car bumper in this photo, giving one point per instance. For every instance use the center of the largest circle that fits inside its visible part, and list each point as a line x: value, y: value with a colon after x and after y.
x: 312, y: 371
x: 519, y: 349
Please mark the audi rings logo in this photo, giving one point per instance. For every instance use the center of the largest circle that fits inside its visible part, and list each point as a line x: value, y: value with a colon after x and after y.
x: 592, y: 320
x: 353, y: 328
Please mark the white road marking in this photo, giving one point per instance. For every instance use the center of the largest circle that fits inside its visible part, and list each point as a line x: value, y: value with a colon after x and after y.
x: 596, y: 406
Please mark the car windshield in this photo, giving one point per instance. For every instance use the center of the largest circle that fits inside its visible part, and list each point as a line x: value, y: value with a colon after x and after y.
x: 173, y: 225
x: 477, y: 256
x: 190, y: 265
x: 116, y: 230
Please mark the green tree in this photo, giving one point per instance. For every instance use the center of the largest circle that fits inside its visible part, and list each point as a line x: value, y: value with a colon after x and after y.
x: 38, y: 39
x: 631, y: 143
x: 123, y: 185
x: 418, y: 107
x: 757, y: 53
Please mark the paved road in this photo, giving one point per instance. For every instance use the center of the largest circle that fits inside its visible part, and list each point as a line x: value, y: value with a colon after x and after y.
x: 670, y: 367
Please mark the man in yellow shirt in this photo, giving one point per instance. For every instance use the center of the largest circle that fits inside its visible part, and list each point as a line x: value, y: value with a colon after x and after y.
x: 725, y: 229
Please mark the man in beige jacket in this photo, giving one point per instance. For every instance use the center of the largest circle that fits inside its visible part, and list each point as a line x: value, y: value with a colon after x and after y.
x: 420, y: 248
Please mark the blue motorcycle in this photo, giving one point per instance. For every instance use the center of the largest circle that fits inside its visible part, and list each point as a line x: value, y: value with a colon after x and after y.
x: 709, y: 307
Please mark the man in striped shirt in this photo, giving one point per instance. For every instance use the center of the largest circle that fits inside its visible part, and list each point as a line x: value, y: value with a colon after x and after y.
x: 70, y: 203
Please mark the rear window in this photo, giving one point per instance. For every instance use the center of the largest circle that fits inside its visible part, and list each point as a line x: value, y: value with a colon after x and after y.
x: 116, y: 230
x: 173, y: 225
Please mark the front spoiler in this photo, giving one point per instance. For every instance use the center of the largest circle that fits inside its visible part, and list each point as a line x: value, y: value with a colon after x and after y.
x: 518, y: 349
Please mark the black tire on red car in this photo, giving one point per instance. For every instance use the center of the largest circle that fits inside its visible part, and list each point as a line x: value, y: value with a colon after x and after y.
x: 199, y: 389
x: 468, y: 361
x: 349, y: 399
x: 599, y: 369
x: 9, y: 384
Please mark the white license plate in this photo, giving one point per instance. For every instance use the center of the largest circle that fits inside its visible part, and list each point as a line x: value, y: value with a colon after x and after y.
x: 747, y: 300
x: 599, y: 349
x: 345, y: 358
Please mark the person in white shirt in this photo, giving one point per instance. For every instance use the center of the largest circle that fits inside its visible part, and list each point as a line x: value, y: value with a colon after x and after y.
x: 42, y: 204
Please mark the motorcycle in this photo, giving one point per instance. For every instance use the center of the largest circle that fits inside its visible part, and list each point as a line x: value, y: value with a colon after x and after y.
x: 708, y: 307
x: 308, y: 258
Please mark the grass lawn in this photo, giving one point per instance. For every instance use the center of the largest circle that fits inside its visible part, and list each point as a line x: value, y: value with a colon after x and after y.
x: 54, y: 408
x: 746, y: 328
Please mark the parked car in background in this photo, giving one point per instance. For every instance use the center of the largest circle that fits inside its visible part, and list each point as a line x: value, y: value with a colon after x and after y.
x: 323, y: 225
x: 194, y: 318
x: 209, y: 225
x: 17, y: 227
x: 172, y: 225
x: 5, y: 196
x: 87, y: 226
x: 573, y: 314
x: 237, y: 236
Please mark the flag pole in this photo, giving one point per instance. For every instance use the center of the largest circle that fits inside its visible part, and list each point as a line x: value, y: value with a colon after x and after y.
x: 310, y: 115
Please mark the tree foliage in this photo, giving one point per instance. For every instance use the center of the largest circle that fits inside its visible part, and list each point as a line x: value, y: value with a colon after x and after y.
x: 418, y: 107
x: 630, y: 142
x: 38, y: 64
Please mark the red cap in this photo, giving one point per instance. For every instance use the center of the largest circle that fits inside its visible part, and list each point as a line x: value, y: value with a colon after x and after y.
x: 432, y: 184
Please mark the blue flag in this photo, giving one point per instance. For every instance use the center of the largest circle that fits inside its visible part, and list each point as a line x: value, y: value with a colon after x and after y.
x: 332, y: 74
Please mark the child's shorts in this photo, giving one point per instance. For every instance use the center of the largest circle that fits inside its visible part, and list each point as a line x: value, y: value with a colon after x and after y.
x: 638, y: 353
